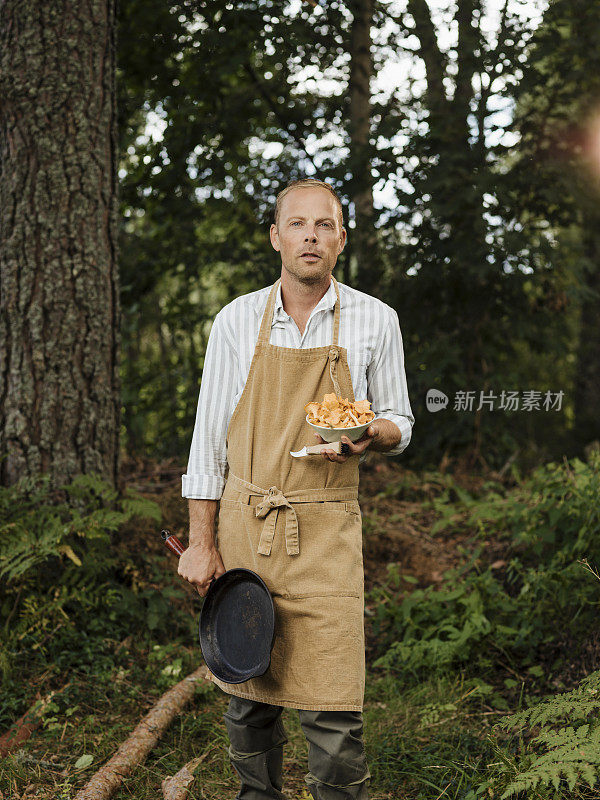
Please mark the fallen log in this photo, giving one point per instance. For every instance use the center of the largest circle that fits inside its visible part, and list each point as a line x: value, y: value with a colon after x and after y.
x: 141, y: 741
x: 175, y: 787
x: 22, y: 729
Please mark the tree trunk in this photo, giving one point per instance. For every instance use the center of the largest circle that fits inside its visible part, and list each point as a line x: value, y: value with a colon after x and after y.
x: 587, y: 378
x: 59, y: 326
x: 364, y: 236
x: 468, y: 224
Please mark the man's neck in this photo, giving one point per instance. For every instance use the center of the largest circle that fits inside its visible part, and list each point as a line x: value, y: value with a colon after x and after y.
x: 299, y: 298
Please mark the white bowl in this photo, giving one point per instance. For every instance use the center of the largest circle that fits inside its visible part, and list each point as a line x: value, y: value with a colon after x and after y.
x: 335, y: 434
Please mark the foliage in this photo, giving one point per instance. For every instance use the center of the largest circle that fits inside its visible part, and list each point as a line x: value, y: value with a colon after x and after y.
x: 241, y: 99
x: 423, y: 738
x: 410, y: 753
x: 95, y: 713
x: 462, y: 294
x: 549, y: 523
x: 567, y: 746
x: 35, y: 531
x: 70, y: 592
x: 220, y: 85
x: 553, y: 189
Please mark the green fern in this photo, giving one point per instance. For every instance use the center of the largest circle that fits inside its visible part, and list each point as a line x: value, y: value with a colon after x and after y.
x: 34, y: 529
x: 550, y: 522
x: 566, y: 752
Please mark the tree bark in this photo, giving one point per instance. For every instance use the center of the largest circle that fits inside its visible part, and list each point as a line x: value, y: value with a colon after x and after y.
x: 587, y: 377
x: 365, y: 245
x: 175, y: 787
x: 60, y: 313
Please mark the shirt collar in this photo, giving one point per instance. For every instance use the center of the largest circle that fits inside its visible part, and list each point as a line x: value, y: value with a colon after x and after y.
x: 327, y: 302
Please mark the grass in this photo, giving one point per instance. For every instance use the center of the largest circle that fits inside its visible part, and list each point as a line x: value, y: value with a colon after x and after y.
x: 427, y: 740
x: 427, y: 736
x: 420, y: 740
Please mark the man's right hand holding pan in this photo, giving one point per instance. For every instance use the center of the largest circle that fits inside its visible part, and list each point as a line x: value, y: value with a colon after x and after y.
x: 201, y: 562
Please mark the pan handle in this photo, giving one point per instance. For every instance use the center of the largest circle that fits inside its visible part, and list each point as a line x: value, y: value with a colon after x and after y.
x: 175, y: 546
x: 172, y: 542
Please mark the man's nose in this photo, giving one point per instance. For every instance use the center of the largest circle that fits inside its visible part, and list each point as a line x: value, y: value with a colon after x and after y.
x: 311, y: 235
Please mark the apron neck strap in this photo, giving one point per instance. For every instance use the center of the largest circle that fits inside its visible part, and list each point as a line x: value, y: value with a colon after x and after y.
x: 264, y: 334
x: 336, y: 314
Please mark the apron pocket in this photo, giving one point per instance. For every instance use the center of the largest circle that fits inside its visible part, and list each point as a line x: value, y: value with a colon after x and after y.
x: 330, y: 561
x: 328, y: 506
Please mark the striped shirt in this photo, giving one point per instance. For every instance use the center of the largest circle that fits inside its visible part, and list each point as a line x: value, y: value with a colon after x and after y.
x: 369, y: 331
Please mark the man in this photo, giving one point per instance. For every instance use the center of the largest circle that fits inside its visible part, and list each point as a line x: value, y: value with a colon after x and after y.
x: 295, y: 521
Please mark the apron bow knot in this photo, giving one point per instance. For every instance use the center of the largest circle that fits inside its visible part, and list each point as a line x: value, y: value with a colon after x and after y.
x: 272, y: 502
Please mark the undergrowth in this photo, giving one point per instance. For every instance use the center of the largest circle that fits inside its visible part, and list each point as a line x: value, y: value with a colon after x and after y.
x: 565, y: 750
x: 508, y: 612
x: 550, y: 526
x: 70, y: 591
x: 458, y: 702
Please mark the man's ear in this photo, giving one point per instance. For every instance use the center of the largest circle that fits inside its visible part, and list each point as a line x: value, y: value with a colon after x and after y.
x: 343, y: 238
x: 274, y: 238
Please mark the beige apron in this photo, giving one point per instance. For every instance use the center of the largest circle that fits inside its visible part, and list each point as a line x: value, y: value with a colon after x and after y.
x: 297, y: 523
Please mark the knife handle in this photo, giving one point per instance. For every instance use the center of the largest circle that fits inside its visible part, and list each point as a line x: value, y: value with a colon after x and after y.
x: 337, y: 447
x: 172, y: 542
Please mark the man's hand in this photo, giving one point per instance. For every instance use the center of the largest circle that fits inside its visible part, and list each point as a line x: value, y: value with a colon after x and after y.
x: 381, y: 435
x: 199, y: 564
x: 201, y: 561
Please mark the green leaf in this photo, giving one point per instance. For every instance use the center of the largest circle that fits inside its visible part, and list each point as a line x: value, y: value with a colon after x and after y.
x: 67, y: 551
x: 536, y: 670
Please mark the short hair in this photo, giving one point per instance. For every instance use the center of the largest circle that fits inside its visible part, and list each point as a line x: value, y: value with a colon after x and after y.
x: 301, y: 184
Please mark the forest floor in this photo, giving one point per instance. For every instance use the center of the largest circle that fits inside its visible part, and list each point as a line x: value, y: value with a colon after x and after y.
x: 426, y: 740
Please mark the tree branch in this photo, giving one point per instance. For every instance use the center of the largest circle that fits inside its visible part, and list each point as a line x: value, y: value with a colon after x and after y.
x: 145, y: 736
x: 435, y: 60
x: 251, y: 72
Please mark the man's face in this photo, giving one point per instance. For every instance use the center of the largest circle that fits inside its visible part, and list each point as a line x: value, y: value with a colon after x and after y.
x: 308, y: 235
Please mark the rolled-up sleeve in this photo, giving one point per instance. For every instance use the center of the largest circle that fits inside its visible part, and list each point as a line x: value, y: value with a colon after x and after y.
x: 205, y: 476
x: 386, y: 382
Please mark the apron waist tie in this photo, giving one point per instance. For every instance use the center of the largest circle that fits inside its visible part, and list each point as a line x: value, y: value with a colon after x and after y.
x: 273, y: 500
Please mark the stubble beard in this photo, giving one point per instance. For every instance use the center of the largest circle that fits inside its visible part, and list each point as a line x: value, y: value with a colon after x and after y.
x: 310, y: 279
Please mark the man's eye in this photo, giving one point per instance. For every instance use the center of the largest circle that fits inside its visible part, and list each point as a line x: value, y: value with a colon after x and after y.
x: 295, y: 223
